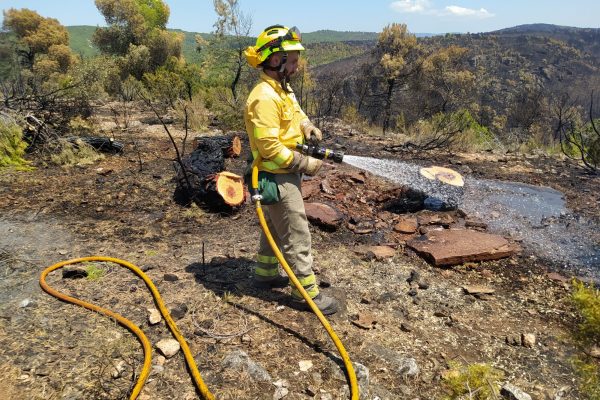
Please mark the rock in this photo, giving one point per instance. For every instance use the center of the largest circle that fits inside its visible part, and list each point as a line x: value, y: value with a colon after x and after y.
x: 408, y: 367
x: 414, y: 277
x: 432, y: 218
x: 512, y: 392
x: 240, y: 361
x: 157, y: 370
x: 168, y: 347
x: 477, y: 290
x: 310, y: 188
x: 25, y: 303
x: 364, y: 320
x: 562, y: 393
x: 280, y: 393
x: 378, y: 253
x: 362, y: 376
x: 118, y: 369
x: 358, y: 177
x: 326, y: 187
x: 311, y: 391
x: 528, y: 340
x: 170, y: 277
x: 178, y: 311
x: 154, y: 316
x: 323, y: 215
x: 246, y: 338
x: 406, y: 327
x: 74, y: 273
x: 407, y: 225
x: 452, y: 247
x: 557, y: 277
x: 305, y: 365
x: 474, y: 222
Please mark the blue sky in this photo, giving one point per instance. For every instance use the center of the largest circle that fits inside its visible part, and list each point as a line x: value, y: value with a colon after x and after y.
x: 421, y: 16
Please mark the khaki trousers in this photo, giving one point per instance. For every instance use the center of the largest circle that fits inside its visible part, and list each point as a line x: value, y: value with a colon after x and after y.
x: 289, y: 227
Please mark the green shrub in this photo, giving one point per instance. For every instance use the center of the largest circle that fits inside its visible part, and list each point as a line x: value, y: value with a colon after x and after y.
x: 94, y: 272
x: 12, y: 146
x: 474, y: 137
x: 587, y: 302
x: 480, y: 381
x: 588, y: 373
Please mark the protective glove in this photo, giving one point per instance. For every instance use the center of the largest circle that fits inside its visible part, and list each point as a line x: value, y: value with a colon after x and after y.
x: 311, y: 132
x: 305, y: 164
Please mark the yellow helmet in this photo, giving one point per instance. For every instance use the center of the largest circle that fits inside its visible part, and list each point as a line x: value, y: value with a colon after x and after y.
x: 273, y: 39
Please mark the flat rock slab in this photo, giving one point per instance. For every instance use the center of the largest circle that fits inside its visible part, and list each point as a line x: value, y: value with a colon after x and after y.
x: 407, y: 225
x: 323, y: 215
x: 451, y: 247
x: 375, y: 252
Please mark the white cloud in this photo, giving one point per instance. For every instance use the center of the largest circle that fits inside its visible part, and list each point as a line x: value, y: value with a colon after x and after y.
x: 410, y: 6
x: 425, y: 7
x: 468, y: 12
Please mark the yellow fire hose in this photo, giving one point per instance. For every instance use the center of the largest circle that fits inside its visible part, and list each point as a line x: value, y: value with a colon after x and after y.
x: 298, y: 285
x: 202, y: 388
x: 189, y: 358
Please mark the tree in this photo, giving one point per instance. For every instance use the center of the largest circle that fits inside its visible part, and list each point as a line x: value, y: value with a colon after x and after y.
x: 446, y: 80
x: 137, y: 34
x: 235, y: 24
x: 399, y: 57
x: 36, y: 35
x: 579, y: 139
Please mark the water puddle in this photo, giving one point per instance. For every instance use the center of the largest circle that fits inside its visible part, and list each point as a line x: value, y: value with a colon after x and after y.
x: 534, y: 215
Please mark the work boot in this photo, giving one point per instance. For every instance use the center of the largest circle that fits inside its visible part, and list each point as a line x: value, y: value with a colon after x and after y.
x: 327, y: 305
x: 278, y: 281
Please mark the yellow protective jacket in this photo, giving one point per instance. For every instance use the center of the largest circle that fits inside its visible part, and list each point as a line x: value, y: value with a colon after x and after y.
x: 273, y: 119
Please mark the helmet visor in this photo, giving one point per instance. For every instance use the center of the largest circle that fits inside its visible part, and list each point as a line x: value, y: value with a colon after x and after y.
x: 293, y: 34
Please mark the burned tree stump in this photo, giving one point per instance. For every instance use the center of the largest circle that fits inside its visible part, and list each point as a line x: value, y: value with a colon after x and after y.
x: 204, y: 181
x: 231, y: 146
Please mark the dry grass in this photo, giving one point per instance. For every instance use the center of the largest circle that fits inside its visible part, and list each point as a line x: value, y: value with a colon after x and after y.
x: 78, y: 153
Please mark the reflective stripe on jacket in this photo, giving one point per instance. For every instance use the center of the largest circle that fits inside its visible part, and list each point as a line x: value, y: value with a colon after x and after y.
x: 272, y: 119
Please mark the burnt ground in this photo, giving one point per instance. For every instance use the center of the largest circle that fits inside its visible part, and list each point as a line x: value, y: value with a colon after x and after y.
x: 49, y: 349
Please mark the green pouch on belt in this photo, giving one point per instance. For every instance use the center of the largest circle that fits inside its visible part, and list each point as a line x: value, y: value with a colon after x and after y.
x: 267, y: 186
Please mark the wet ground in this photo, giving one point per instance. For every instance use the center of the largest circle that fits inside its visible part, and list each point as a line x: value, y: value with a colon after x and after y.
x: 534, y: 215
x: 49, y: 349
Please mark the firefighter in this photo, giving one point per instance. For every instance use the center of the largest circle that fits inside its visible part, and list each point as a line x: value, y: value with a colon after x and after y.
x: 275, y: 124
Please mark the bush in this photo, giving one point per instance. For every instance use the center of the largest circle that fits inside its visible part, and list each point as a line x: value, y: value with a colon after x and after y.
x: 197, y: 114
x: 587, y: 302
x: 480, y: 381
x: 229, y: 112
x: 474, y: 137
x: 12, y: 146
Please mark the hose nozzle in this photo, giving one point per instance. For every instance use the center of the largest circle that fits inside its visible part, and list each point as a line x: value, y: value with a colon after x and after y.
x: 320, y: 152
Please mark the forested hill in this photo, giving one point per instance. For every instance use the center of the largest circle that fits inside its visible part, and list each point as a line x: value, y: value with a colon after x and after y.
x: 520, y: 75
x: 80, y: 41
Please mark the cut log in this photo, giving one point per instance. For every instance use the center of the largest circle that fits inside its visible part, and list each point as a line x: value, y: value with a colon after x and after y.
x: 231, y: 146
x: 224, y: 187
x: 204, y: 181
